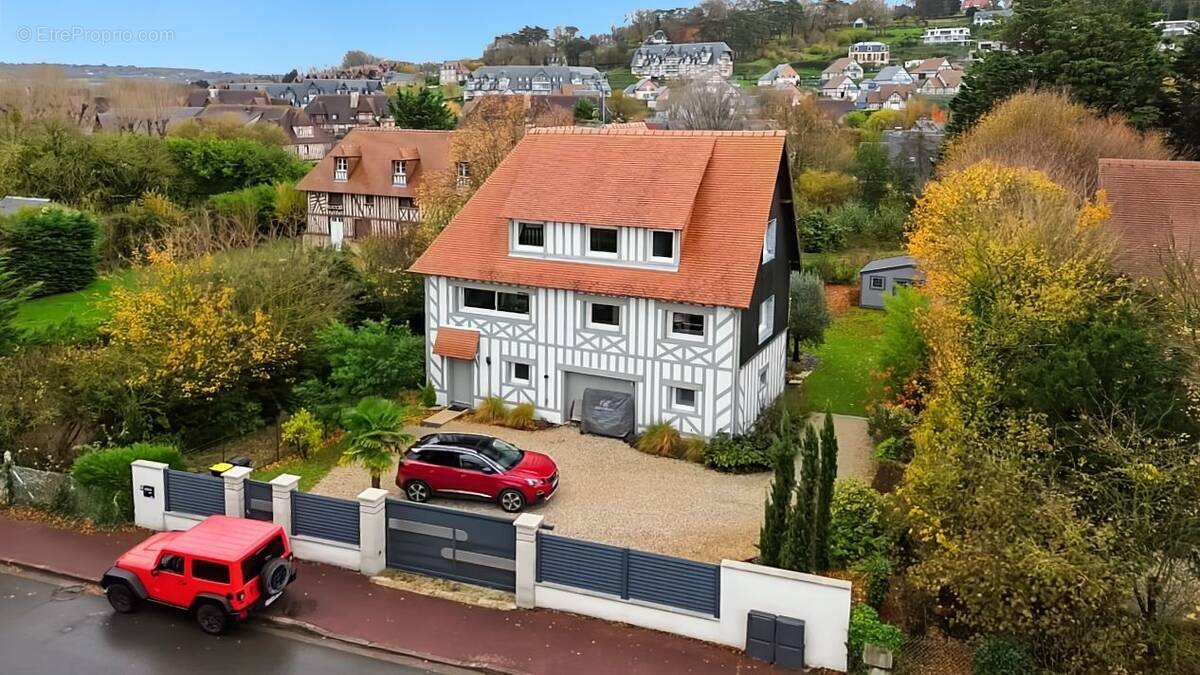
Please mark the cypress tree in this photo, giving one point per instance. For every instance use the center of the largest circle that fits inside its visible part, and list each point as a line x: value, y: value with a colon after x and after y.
x: 783, y: 458
x: 797, y: 545
x: 824, y: 499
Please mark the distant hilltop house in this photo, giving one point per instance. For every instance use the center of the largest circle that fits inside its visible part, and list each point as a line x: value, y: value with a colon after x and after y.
x: 536, y: 80
x: 953, y: 35
x: 649, y: 266
x: 302, y: 92
x: 339, y: 113
x: 879, y: 279
x: 840, y: 88
x: 1177, y: 28
x: 844, y: 66
x: 860, y: 23
x: 987, y: 17
x: 781, y: 74
x: 660, y: 58
x: 452, y: 72
x: 647, y: 90
x: 985, y: 46
x: 865, y: 53
x: 367, y: 185
x: 1155, y: 205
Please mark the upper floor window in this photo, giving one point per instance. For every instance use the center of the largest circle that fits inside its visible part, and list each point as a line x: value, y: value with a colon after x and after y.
x: 369, y: 201
x: 769, y: 242
x: 335, y: 201
x: 687, y: 325
x: 662, y: 245
x: 531, y: 235
x: 407, y: 203
x: 462, y: 173
x: 602, y: 241
x: 398, y: 176
x: 766, y: 319
x: 603, y: 315
x: 495, y: 301
x: 303, y: 132
x: 341, y: 168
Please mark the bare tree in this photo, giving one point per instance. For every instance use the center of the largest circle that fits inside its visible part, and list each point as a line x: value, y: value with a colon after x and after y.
x: 143, y: 106
x: 706, y: 104
x: 44, y: 92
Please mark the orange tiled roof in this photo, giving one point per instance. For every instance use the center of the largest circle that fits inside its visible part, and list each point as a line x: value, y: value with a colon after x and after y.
x: 375, y: 148
x: 1153, y: 201
x: 457, y: 343
x: 717, y: 186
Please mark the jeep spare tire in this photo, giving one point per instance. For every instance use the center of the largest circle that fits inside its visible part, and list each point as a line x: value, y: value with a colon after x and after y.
x: 275, y: 576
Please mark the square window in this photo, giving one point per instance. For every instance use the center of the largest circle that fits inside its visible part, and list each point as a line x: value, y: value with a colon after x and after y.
x: 369, y: 201
x: 687, y: 324
x: 519, y: 372
x: 683, y: 397
x: 602, y: 240
x: 604, y: 315
x: 878, y: 283
x: 662, y: 245
x: 335, y: 200
x: 532, y: 235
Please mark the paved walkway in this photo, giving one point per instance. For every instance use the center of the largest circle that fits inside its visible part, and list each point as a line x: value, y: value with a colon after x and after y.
x: 344, y: 604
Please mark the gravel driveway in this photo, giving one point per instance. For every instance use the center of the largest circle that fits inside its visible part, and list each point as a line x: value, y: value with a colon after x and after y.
x: 611, y: 493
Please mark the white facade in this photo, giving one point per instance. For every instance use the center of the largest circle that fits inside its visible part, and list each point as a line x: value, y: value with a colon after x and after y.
x: 958, y: 35
x: 870, y: 52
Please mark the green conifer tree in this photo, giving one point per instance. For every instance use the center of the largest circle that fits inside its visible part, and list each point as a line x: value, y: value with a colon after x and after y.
x: 779, y: 501
x: 824, y: 500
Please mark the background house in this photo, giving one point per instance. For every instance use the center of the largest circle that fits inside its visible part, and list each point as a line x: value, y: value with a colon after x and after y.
x: 659, y: 58
x: 367, y: 185
x: 1155, y: 204
x: 783, y: 73
x: 953, y: 35
x: 840, y: 87
x: 880, y: 278
x: 873, y: 53
x: 844, y: 66
x: 536, y: 81
x: 452, y: 72
x: 339, y: 113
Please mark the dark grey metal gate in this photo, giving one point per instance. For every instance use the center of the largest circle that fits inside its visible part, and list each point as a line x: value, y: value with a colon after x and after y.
x: 259, y: 501
x: 452, y: 544
x: 198, y: 493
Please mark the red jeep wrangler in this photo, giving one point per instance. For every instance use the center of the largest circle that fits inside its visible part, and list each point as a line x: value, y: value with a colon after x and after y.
x: 219, y: 570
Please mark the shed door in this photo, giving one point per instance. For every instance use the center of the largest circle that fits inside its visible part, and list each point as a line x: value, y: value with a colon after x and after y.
x: 575, y: 383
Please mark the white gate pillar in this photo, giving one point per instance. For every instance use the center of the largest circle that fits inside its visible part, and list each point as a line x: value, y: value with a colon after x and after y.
x: 527, y: 526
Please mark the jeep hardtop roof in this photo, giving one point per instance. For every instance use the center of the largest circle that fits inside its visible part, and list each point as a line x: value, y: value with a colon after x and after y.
x: 221, y: 538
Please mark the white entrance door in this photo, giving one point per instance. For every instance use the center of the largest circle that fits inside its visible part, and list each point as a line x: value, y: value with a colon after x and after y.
x: 336, y: 231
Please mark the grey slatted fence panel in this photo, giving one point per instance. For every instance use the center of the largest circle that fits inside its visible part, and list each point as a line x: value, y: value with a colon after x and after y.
x: 675, y: 582
x: 197, y: 493
x: 259, y: 500
x: 581, y: 564
x: 325, y: 517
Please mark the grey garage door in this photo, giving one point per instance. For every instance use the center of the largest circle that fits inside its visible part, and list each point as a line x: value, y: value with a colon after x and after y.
x: 575, y: 383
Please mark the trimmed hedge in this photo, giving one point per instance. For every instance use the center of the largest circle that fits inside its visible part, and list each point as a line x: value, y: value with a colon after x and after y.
x: 54, y: 247
x: 107, y: 473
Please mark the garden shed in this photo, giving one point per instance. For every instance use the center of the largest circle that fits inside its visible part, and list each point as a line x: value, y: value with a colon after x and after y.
x: 879, y: 279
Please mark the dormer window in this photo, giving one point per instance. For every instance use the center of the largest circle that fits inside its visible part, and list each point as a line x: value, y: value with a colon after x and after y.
x: 341, y: 168
x: 662, y: 246
x: 531, y: 236
x: 769, y: 243
x: 602, y: 241
x: 398, y: 176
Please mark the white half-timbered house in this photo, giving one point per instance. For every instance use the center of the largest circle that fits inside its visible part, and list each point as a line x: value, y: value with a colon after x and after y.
x: 367, y: 185
x: 654, y: 263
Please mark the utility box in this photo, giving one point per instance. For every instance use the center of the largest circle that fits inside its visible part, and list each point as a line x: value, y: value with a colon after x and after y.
x: 760, y: 636
x: 775, y: 639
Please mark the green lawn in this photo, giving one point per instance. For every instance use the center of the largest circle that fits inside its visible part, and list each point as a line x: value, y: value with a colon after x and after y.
x: 85, y: 306
x: 619, y: 78
x: 843, y: 381
x: 310, y: 470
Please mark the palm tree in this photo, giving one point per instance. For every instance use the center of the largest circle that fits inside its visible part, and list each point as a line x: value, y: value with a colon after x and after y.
x: 374, y: 432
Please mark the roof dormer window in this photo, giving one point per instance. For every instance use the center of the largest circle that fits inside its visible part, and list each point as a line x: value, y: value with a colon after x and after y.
x: 399, y: 178
x: 341, y: 168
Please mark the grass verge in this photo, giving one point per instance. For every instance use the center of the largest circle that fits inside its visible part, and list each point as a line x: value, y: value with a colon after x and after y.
x: 843, y: 380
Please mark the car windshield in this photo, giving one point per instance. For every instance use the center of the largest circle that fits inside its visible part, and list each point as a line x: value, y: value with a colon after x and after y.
x: 507, y: 456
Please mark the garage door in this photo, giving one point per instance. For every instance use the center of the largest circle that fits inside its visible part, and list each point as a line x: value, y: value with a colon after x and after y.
x: 575, y: 383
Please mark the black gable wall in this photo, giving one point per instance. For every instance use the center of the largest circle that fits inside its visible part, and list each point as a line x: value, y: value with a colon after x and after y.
x: 773, y: 277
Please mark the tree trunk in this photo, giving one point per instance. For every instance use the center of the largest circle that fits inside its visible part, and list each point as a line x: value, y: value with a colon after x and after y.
x: 375, y: 480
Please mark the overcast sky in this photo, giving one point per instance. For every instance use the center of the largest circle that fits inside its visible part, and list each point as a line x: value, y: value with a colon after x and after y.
x: 258, y: 36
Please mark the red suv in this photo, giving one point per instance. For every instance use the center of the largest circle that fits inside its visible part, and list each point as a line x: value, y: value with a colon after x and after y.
x: 219, y: 570
x: 476, y: 466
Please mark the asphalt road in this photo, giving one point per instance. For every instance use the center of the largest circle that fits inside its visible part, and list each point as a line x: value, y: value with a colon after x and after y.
x: 46, y: 627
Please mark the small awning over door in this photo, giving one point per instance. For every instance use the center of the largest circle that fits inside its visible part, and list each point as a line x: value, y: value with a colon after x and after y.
x: 457, y: 343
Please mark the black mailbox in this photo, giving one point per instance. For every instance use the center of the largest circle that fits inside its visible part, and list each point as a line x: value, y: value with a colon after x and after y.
x: 760, y: 636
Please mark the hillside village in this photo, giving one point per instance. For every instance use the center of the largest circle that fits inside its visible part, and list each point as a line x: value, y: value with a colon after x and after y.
x: 782, y: 335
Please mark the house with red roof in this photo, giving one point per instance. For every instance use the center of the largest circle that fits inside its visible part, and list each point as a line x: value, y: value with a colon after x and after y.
x: 645, y: 263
